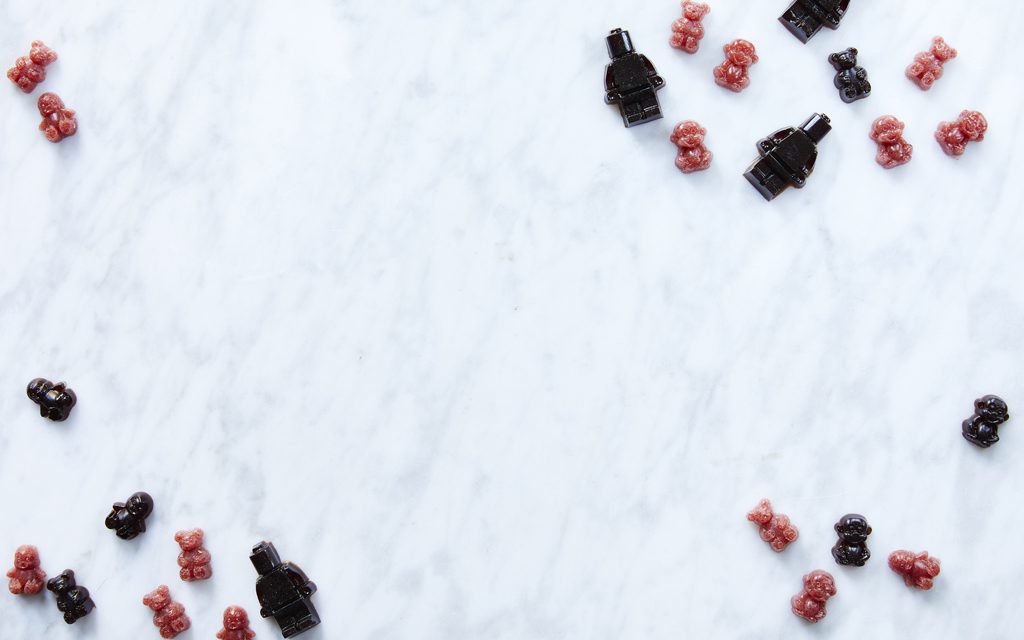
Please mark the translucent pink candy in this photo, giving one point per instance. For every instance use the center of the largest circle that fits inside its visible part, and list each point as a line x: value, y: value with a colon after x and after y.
x: 688, y: 31
x: 58, y: 122
x: 809, y: 604
x: 893, y: 149
x: 953, y: 137
x: 26, y: 578
x: 734, y: 73
x: 693, y: 154
x: 776, y: 528
x: 927, y: 65
x: 917, y: 569
x: 28, y: 71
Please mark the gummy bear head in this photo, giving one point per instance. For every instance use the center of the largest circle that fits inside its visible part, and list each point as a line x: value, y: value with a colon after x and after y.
x: 235, y: 618
x: 844, y: 60
x: 62, y: 583
x: 762, y: 513
x: 695, y: 11
x: 941, y: 50
x: 158, y: 598
x: 49, y: 104
x: 973, y: 125
x: 740, y: 53
x: 853, y: 528
x: 26, y: 557
x: 992, y: 408
x: 901, y: 561
x: 41, y: 54
x: 38, y: 387
x: 189, y: 540
x: 688, y: 134
x: 819, y: 585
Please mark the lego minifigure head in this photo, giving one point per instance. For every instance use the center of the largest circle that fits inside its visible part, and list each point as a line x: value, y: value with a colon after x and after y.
x: 844, y: 60
x: 688, y: 134
x: 26, y: 557
x: 695, y: 10
x: 740, y: 53
x: 235, y: 618
x: 817, y: 127
x: 189, y: 540
x: 819, y: 585
x: 139, y: 504
x: 62, y: 582
x: 992, y: 409
x: 38, y: 388
x: 619, y: 44
x: 942, y: 51
x: 264, y: 557
x: 973, y: 125
x: 853, y: 528
x: 158, y: 598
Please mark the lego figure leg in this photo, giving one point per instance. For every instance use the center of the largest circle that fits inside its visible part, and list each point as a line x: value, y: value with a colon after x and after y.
x: 296, y: 618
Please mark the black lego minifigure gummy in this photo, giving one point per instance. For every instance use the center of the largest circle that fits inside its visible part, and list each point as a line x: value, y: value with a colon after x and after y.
x: 55, y: 400
x: 851, y: 80
x: 72, y: 600
x: 852, y: 548
x: 787, y: 157
x: 128, y: 518
x: 805, y: 18
x: 631, y: 81
x: 283, y: 591
x: 982, y: 429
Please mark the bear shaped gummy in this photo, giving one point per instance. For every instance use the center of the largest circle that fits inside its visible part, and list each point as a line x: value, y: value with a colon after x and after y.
x: 631, y: 81
x: 688, y: 31
x: 28, y: 71
x: 72, y: 600
x: 982, y: 428
x: 927, y: 65
x: 953, y: 137
x: 688, y: 136
x: 168, y: 615
x: 734, y: 73
x: 194, y: 560
x: 128, y: 518
x: 852, y: 548
x: 236, y: 625
x: 893, y: 149
x: 55, y: 400
x: 58, y: 121
x: 917, y: 569
x: 26, y: 577
x: 775, y: 528
x: 809, y: 604
x: 284, y: 591
x: 851, y: 79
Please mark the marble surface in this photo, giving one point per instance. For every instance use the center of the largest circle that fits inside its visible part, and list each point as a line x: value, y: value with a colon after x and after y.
x: 388, y: 284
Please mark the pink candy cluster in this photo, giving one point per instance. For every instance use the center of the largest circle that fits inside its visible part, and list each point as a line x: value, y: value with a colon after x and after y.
x: 28, y: 71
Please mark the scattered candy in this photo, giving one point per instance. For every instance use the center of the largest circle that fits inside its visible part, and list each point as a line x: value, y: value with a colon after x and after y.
x: 168, y: 615
x: 128, y: 519
x: 72, y: 600
x: 284, y: 591
x: 953, y: 137
x: 55, y: 400
x: 26, y: 576
x: 809, y: 604
x: 734, y: 73
x: 927, y: 65
x: 787, y: 157
x: 194, y: 560
x: 688, y: 31
x: 805, y: 18
x: 28, y: 71
x: 236, y: 625
x: 631, y: 81
x: 982, y: 428
x: 851, y: 80
x: 852, y: 548
x: 58, y: 122
x: 776, y: 528
x: 893, y: 149
x: 918, y: 569
x: 693, y: 154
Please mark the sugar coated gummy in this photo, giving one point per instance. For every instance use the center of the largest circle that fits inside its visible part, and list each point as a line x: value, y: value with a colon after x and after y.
x: 688, y: 31
x: 893, y: 149
x: 26, y: 578
x: 776, y: 529
x: 693, y: 155
x: 168, y: 615
x: 28, y: 71
x: 954, y: 136
x: 918, y: 570
x: 809, y: 604
x: 734, y: 73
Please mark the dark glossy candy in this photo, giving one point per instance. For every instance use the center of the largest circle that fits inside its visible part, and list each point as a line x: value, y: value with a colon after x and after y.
x: 236, y: 625
x: 55, y: 400
x: 284, y: 591
x: 168, y: 615
x: 128, y: 518
x: 631, y: 81
x: 809, y: 604
x: 852, y: 547
x: 26, y: 577
x: 805, y: 18
x: 917, y: 569
x: 851, y: 80
x: 982, y: 428
x: 787, y: 157
x: 72, y: 600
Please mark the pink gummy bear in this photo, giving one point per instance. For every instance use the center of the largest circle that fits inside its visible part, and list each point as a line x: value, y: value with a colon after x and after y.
x: 927, y: 65
x: 26, y: 576
x: 776, y: 529
x: 168, y: 615
x: 236, y: 625
x: 194, y: 560
x: 918, y: 569
x: 58, y: 122
x: 693, y: 154
x: 809, y: 604
x: 28, y: 71
x: 953, y: 137
x: 688, y: 30
x: 893, y: 149
x: 734, y: 74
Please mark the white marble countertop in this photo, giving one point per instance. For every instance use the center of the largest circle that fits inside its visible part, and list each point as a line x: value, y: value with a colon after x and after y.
x: 388, y: 284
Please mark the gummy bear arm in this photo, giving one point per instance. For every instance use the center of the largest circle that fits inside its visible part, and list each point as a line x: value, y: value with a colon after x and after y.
x: 12, y: 573
x: 202, y: 556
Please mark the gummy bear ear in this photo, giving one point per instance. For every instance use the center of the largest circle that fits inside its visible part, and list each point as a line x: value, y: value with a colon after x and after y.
x: 854, y: 51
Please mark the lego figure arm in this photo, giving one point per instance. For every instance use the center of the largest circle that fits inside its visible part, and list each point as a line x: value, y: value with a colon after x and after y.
x: 610, y: 94
x: 656, y: 81
x: 301, y: 581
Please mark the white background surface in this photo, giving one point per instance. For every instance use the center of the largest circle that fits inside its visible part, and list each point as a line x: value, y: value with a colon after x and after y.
x: 388, y: 284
